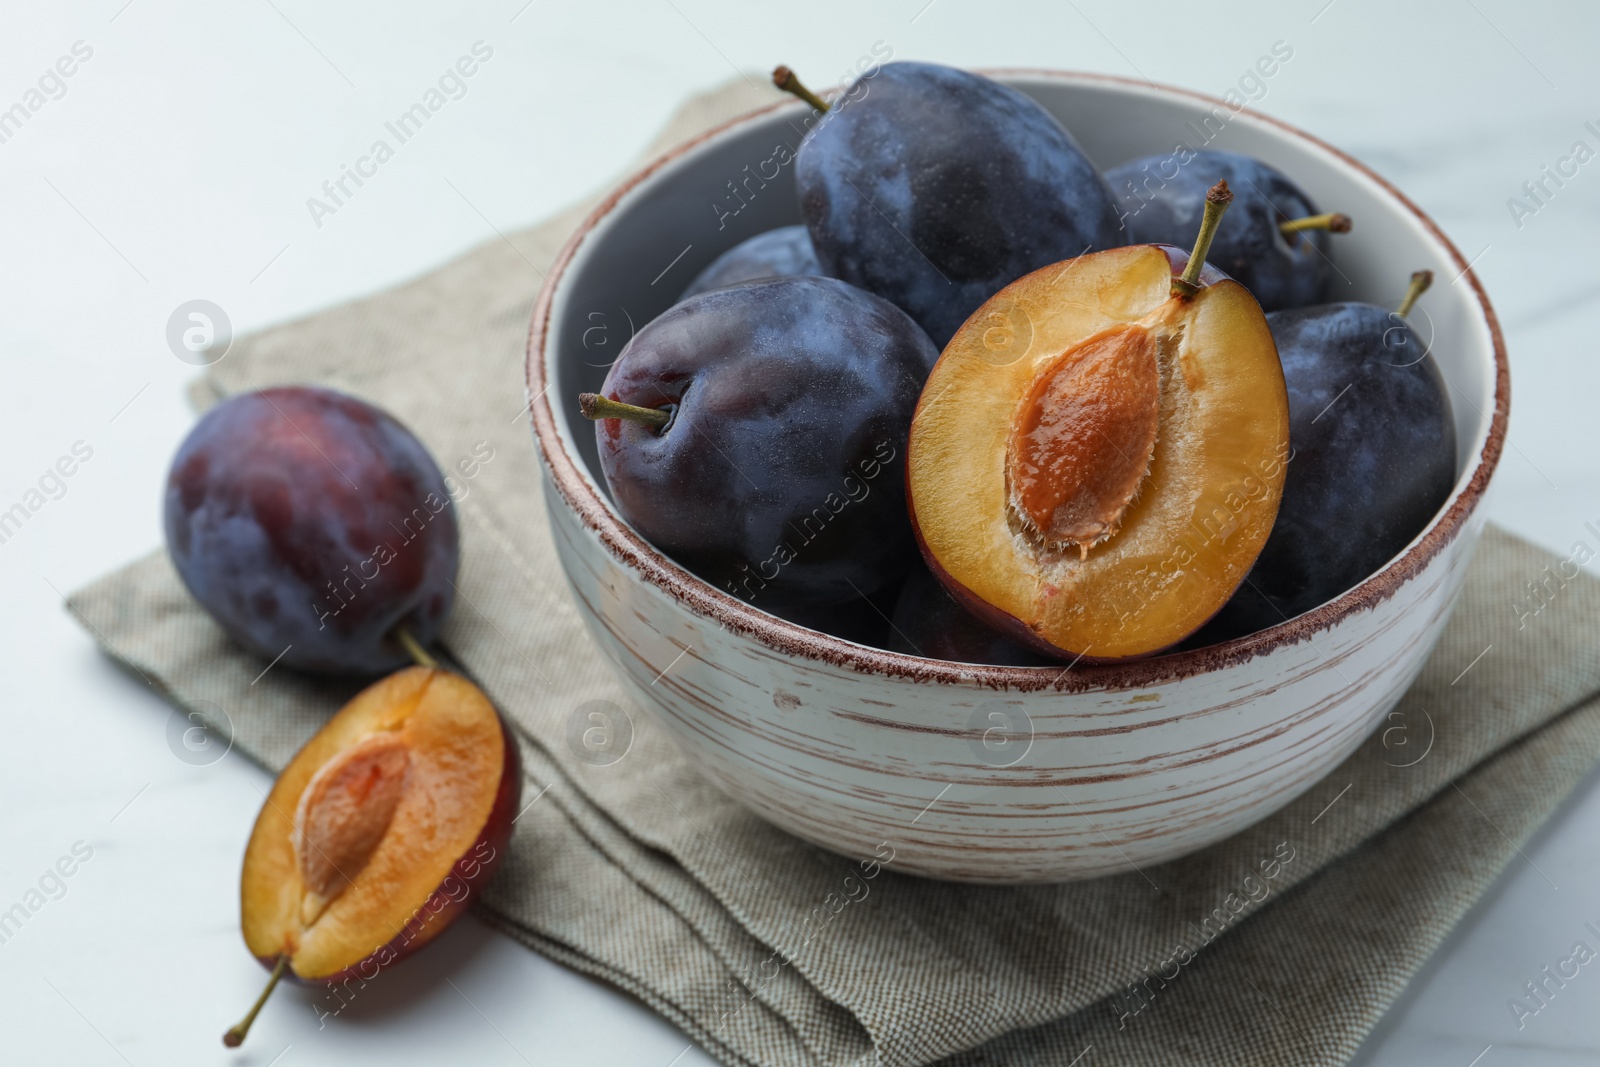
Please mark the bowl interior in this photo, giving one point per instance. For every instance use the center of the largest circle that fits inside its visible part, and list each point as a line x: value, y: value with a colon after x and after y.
x: 664, y: 228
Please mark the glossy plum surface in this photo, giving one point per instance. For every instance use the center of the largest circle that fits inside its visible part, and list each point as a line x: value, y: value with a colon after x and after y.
x: 934, y: 188
x: 928, y: 622
x: 309, y: 524
x: 780, y: 478
x: 781, y: 253
x: 1161, y: 200
x: 1374, y: 459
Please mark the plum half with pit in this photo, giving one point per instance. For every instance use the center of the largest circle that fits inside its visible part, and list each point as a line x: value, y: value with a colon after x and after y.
x: 1098, y: 456
x: 757, y: 435
x: 935, y: 187
x: 312, y: 525
x: 379, y: 833
x: 1273, y: 241
x: 1373, y: 458
x: 782, y: 253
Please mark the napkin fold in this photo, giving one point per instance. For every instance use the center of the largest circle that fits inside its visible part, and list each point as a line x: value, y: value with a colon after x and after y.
x: 1284, y: 943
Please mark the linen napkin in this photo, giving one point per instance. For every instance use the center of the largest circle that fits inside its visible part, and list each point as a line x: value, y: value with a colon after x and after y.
x: 1284, y: 943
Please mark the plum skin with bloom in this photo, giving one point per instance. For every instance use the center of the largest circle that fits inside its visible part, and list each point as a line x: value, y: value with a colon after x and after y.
x: 780, y: 477
x: 934, y: 188
x: 310, y: 524
x: 782, y: 253
x: 1280, y: 270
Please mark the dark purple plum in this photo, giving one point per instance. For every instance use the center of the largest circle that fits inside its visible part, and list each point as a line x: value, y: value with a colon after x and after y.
x: 1373, y: 460
x: 928, y: 622
x: 1161, y: 200
x: 782, y: 253
x: 779, y: 473
x: 863, y: 619
x: 934, y: 188
x: 310, y: 525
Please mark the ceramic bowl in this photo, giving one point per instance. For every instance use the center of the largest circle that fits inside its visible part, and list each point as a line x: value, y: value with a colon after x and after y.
x: 978, y: 773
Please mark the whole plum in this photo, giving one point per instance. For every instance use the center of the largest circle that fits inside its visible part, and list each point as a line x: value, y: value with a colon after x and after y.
x: 1163, y: 197
x: 775, y: 468
x: 310, y: 525
x: 934, y: 188
x: 781, y: 253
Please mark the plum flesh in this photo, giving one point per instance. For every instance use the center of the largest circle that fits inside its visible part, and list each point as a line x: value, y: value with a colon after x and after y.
x: 781, y: 253
x: 780, y: 477
x: 1373, y: 461
x: 934, y: 188
x: 1280, y: 270
x: 310, y: 524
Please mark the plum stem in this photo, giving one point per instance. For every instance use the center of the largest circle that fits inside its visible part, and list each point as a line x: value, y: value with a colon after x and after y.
x: 596, y: 407
x: 785, y: 79
x: 1420, y: 281
x: 414, y: 647
x: 1217, y: 200
x: 235, y: 1036
x: 1331, y: 221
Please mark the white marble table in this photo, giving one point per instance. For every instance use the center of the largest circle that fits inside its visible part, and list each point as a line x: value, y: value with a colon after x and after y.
x: 175, y: 163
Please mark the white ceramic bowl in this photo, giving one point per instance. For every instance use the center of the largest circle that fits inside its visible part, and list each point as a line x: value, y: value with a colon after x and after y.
x: 996, y: 774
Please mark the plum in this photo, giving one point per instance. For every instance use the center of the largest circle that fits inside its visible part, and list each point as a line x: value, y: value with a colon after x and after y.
x: 757, y: 435
x: 928, y: 622
x: 1273, y: 240
x: 861, y: 619
x: 1374, y: 459
x: 1099, y: 454
x: 781, y: 253
x: 310, y: 525
x: 934, y: 188
x: 378, y: 833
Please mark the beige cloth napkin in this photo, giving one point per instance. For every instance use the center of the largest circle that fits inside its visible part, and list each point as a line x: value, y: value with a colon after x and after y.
x: 1283, y: 944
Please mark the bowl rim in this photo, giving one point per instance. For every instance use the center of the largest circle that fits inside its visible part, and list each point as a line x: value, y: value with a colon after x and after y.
x: 701, y: 598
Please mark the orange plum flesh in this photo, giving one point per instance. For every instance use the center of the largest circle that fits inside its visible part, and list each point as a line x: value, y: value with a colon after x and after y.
x: 1096, y: 460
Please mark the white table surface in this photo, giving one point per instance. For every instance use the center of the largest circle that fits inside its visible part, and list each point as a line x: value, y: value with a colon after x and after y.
x: 176, y: 165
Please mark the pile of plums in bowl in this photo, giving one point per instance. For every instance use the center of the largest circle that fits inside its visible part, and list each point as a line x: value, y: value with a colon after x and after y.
x: 792, y: 433
x: 320, y: 535
x: 1017, y: 500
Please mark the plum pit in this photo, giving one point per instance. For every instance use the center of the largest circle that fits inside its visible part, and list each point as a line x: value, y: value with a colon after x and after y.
x: 1083, y: 436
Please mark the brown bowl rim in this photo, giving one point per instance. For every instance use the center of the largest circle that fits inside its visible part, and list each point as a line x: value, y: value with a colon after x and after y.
x: 791, y: 639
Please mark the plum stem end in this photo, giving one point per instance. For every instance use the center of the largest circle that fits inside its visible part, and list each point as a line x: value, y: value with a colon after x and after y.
x: 1420, y: 280
x: 1218, y: 197
x: 1332, y: 221
x: 236, y: 1034
x: 785, y: 79
x: 597, y: 407
x: 413, y: 647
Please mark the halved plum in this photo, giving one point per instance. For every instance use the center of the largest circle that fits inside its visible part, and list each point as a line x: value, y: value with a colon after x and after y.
x: 1098, y: 456
x: 379, y: 832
